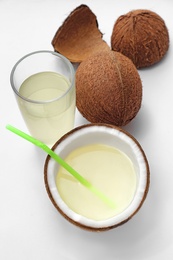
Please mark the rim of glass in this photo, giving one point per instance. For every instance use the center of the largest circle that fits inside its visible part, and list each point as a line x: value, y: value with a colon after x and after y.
x: 72, y: 74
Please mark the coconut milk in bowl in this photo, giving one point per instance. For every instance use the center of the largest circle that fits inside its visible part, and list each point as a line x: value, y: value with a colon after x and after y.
x: 109, y: 158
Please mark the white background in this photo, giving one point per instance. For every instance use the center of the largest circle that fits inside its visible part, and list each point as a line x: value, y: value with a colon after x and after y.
x: 30, y: 227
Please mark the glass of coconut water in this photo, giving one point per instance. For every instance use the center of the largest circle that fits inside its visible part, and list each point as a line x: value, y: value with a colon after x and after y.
x: 44, y: 86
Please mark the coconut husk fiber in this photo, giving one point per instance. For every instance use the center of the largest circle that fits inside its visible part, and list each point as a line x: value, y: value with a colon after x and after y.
x: 108, y: 88
x: 142, y: 36
x: 79, y: 36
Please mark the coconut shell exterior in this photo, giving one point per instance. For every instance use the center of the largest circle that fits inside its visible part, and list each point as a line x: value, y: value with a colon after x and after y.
x: 142, y: 36
x: 108, y: 89
x: 79, y: 36
x: 76, y: 223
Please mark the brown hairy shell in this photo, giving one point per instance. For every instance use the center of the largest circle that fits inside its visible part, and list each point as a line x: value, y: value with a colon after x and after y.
x: 108, y: 89
x: 79, y: 36
x: 142, y: 36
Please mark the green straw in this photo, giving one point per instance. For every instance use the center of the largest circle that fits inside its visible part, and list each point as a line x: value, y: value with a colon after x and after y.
x: 65, y: 165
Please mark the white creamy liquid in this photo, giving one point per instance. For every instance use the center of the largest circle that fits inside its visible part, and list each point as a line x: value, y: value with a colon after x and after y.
x: 47, y: 121
x: 105, y: 167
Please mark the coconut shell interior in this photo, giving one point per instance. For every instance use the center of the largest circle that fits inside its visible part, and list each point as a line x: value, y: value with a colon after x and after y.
x: 142, y: 36
x: 79, y: 36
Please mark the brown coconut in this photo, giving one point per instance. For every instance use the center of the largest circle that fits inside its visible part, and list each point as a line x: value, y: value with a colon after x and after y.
x: 79, y: 36
x: 108, y: 88
x: 142, y: 36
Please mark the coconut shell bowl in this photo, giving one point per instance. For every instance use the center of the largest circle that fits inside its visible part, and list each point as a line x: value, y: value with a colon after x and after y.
x: 109, y: 136
x: 83, y: 209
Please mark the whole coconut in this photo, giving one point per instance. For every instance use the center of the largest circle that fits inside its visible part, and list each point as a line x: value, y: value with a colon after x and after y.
x: 142, y: 36
x: 108, y: 88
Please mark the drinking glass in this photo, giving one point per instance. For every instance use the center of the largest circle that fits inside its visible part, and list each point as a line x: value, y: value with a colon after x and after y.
x: 44, y: 87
